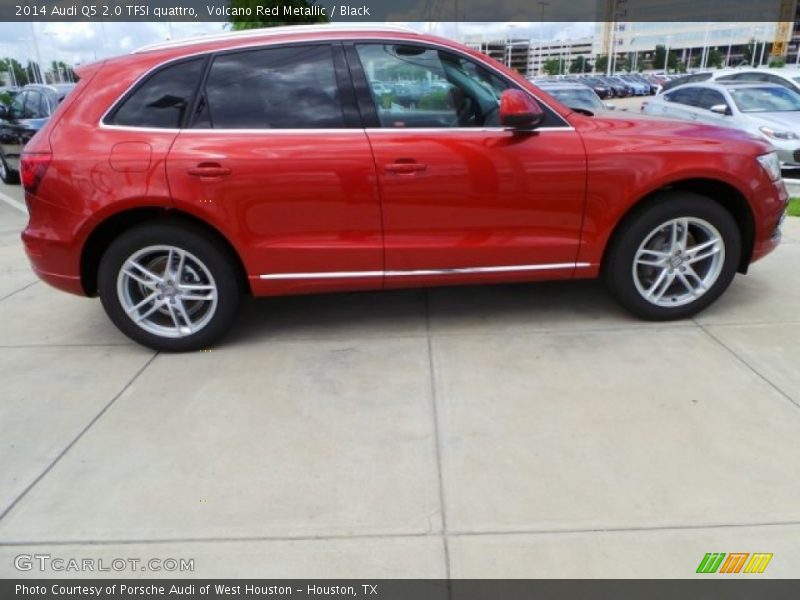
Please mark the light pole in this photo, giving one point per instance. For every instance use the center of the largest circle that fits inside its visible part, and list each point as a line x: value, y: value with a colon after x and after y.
x: 730, y: 42
x: 11, y: 72
x: 38, y: 56
x: 543, y: 5
x: 666, y: 58
x: 704, y: 57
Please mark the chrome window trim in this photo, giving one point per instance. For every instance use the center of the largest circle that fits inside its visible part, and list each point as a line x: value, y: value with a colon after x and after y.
x: 337, y: 131
x: 276, y: 32
x: 425, y: 272
x: 321, y: 39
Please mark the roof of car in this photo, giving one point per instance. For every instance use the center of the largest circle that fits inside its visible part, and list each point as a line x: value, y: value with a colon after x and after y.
x: 561, y: 85
x: 725, y: 85
x: 58, y: 88
x: 270, y: 32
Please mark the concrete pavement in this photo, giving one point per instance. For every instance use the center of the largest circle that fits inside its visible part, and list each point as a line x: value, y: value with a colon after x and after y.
x: 508, y: 431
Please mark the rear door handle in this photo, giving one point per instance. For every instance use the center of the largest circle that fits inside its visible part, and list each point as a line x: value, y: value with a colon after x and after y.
x: 405, y: 167
x: 209, y: 170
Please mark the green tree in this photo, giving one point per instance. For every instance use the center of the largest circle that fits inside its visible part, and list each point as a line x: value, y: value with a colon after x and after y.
x: 714, y: 58
x: 661, y: 55
x: 552, y: 66
x: 601, y: 64
x: 580, y: 65
x: 34, y: 71
x: 61, y: 71
x: 253, y: 22
x: 749, y: 52
x: 9, y: 66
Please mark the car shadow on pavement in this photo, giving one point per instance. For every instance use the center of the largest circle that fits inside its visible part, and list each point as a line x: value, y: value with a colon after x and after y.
x: 549, y: 306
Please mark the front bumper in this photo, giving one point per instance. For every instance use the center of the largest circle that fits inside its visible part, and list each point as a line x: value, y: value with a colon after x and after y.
x: 768, y: 229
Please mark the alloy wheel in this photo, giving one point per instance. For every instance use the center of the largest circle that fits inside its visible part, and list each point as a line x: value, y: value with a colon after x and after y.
x: 678, y: 262
x: 167, y: 291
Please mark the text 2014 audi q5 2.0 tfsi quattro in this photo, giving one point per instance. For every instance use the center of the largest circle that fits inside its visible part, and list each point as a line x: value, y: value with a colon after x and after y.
x: 313, y: 159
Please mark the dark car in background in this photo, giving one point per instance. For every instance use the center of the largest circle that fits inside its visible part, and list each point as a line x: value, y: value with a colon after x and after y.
x: 26, y: 115
x: 602, y: 89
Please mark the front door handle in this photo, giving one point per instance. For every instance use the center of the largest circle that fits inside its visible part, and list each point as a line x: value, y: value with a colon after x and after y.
x: 209, y: 170
x: 405, y: 167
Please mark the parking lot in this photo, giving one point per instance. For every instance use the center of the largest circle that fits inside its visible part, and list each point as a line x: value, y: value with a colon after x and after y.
x: 508, y: 431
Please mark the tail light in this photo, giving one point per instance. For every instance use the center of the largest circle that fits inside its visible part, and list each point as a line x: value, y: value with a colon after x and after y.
x: 32, y: 168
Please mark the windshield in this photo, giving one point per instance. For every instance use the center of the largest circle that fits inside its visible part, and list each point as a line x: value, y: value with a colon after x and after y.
x: 765, y: 99
x: 585, y: 99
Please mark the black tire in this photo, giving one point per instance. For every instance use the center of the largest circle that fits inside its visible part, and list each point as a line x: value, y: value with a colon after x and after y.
x: 618, y: 266
x: 7, y: 174
x: 206, y: 253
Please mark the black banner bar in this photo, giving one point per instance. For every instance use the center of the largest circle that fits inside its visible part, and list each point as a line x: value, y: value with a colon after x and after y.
x: 737, y: 588
x: 399, y: 10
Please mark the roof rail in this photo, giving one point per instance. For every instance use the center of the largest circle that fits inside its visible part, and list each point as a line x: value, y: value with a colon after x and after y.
x: 271, y: 32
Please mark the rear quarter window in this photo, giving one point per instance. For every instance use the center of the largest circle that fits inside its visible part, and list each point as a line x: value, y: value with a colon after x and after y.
x: 162, y: 99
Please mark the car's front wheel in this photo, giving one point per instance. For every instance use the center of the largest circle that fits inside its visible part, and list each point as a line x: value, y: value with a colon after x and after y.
x: 673, y: 257
x: 169, y: 286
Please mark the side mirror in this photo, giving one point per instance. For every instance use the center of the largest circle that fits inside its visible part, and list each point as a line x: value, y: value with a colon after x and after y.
x: 519, y: 111
x: 721, y: 109
x: 610, y: 106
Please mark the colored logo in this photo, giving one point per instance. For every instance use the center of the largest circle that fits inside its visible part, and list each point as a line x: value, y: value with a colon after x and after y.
x: 735, y: 562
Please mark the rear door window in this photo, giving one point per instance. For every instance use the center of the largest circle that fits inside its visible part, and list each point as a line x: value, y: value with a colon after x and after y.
x: 687, y: 96
x: 162, y: 100
x: 33, y: 106
x: 709, y: 98
x: 276, y: 88
x: 15, y: 111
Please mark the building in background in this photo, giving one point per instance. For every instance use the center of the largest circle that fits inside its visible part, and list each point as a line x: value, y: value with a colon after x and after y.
x: 529, y: 56
x: 635, y: 42
x: 564, y: 51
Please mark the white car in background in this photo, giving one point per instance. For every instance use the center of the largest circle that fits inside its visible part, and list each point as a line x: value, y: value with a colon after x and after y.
x: 768, y: 111
x: 788, y: 77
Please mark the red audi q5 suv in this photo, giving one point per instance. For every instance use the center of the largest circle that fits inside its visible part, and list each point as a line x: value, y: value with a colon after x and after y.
x: 322, y: 159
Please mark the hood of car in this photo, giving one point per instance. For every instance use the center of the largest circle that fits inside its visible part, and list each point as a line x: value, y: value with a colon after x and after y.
x: 639, y: 129
x: 785, y: 119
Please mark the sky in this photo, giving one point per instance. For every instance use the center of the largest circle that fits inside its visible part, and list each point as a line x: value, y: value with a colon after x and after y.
x: 82, y: 42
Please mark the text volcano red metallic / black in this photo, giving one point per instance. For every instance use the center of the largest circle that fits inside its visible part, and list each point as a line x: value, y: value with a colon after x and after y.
x: 316, y: 159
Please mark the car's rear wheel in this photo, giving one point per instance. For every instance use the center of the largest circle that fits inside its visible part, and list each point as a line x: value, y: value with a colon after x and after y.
x: 169, y: 286
x: 7, y: 174
x: 674, y: 256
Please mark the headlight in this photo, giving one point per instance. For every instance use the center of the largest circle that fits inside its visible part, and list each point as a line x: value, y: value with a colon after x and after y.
x: 771, y: 165
x: 779, y: 135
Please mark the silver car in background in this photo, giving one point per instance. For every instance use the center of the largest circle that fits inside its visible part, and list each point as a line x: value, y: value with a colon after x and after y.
x: 765, y: 110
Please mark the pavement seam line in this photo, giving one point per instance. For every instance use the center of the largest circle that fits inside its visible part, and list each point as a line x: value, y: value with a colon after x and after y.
x: 750, y: 367
x: 436, y: 434
x: 22, y: 289
x: 367, y: 536
x: 77, y: 437
x: 13, y: 203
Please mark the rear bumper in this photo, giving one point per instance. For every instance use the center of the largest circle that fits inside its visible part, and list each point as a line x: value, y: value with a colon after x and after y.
x: 53, y: 245
x: 52, y: 262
